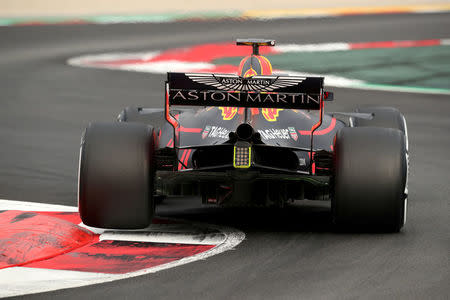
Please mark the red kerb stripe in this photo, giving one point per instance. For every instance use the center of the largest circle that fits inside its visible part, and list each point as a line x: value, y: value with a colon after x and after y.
x: 395, y: 44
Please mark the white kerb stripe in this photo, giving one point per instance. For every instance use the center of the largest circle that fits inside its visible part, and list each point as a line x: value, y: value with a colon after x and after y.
x: 445, y: 42
x: 166, y: 237
x: 34, y: 206
x: 313, y: 47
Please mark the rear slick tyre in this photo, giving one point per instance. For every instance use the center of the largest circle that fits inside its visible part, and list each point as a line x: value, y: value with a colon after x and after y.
x: 116, y: 175
x: 383, y: 116
x: 369, y: 179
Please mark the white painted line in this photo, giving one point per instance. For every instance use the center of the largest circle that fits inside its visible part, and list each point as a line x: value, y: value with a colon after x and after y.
x: 445, y: 42
x: 159, y: 67
x: 34, y: 206
x: 183, y: 233
x: 18, y: 281
x: 400, y: 89
x: 166, y: 237
x: 326, y: 47
x: 162, y: 67
x: 112, y: 57
x: 21, y: 281
x: 330, y: 80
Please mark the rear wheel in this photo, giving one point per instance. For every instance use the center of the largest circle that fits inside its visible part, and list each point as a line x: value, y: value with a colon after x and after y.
x: 370, y: 170
x: 116, y: 175
x: 132, y: 114
x: 385, y: 117
x: 150, y: 116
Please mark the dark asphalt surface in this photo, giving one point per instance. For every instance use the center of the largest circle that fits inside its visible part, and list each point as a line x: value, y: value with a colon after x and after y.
x: 290, y: 254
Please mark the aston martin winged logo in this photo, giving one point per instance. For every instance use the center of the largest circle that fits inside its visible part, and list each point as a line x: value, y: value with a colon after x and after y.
x: 226, y: 82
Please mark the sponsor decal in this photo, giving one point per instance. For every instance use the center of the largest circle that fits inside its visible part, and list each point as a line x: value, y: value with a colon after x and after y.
x: 279, y: 133
x: 271, y: 114
x: 206, y: 132
x: 254, y: 83
x: 244, y: 99
x: 272, y: 134
x: 204, y: 89
x: 293, y: 133
x: 228, y: 113
x: 250, y: 72
x: 216, y: 132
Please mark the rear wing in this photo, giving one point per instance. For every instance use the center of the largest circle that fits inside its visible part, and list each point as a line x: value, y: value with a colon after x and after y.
x: 268, y: 91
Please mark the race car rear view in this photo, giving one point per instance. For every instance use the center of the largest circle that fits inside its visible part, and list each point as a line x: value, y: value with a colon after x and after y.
x: 253, y: 139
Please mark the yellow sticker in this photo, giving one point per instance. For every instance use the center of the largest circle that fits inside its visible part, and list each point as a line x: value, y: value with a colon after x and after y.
x: 271, y: 114
x: 228, y: 113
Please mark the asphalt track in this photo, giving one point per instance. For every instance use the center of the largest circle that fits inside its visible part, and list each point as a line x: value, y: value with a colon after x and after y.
x: 291, y: 253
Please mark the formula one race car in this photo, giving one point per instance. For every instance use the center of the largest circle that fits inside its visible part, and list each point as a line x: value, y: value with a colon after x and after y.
x: 254, y: 139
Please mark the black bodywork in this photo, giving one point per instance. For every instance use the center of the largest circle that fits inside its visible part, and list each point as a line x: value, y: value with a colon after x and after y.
x: 290, y: 158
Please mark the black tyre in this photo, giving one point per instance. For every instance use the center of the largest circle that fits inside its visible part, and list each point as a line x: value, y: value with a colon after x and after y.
x: 130, y: 114
x: 149, y: 116
x: 116, y: 174
x: 370, y: 171
x: 159, y: 199
x: 385, y: 117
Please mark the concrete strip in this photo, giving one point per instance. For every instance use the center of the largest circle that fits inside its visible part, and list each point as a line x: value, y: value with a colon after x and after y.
x: 343, y: 10
x: 20, y: 8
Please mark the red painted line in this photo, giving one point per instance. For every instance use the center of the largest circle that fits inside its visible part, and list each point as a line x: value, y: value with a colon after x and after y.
x: 224, y: 69
x: 119, y: 257
x: 72, y: 217
x: 322, y: 131
x: 172, y: 120
x: 187, y: 157
x: 192, y: 130
x: 313, y: 165
x: 52, y: 240
x: 203, y: 53
x: 207, y: 52
x: 180, y: 166
x: 394, y: 44
x: 170, y: 143
x: 27, y: 237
